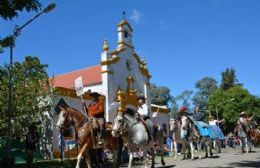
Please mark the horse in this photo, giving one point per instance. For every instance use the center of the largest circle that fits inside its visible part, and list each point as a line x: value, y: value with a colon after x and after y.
x: 255, y: 134
x: 85, y: 133
x: 186, y: 132
x: 135, y: 132
x: 244, y: 133
x: 205, y: 137
x: 182, y: 134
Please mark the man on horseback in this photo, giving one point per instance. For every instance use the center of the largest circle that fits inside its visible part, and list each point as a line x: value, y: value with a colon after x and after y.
x: 96, y: 109
x: 244, y: 121
x: 143, y: 112
x: 198, y: 115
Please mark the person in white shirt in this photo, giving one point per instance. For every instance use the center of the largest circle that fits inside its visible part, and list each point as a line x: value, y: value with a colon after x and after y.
x: 142, y: 107
x: 214, y: 124
x: 143, y: 112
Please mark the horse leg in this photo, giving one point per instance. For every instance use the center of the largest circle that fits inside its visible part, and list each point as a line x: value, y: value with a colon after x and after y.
x: 130, y: 159
x: 115, y: 149
x: 175, y: 150
x: 246, y: 143
x: 82, y: 150
x: 191, y: 151
x: 218, y: 145
x: 145, y: 158
x: 206, y: 147
x: 153, y: 155
x: 86, y: 157
x: 184, y: 149
x: 210, y: 148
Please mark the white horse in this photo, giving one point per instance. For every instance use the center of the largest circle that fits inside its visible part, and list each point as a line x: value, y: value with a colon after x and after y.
x: 136, y: 134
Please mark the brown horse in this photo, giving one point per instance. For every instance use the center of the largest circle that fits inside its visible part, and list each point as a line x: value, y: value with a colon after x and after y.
x: 85, y: 129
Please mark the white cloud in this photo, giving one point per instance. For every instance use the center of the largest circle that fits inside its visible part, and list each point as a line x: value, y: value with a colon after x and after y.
x: 136, y: 16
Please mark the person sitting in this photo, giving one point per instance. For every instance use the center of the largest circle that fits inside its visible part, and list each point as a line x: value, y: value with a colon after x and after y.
x: 213, y: 122
x: 198, y: 115
x: 243, y: 121
x: 96, y: 109
x: 143, y: 112
x: 215, y: 126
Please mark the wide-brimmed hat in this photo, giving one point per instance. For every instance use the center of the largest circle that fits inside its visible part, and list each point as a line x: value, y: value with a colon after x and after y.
x: 211, y: 117
x: 242, y: 113
x: 94, y: 94
x: 140, y: 97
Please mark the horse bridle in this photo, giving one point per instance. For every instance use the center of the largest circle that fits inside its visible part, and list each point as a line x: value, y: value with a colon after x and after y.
x: 123, y: 130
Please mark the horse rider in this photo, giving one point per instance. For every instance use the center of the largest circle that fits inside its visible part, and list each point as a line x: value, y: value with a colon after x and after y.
x: 213, y: 122
x: 96, y: 109
x: 143, y: 112
x: 244, y: 120
x: 198, y: 115
x: 215, y: 126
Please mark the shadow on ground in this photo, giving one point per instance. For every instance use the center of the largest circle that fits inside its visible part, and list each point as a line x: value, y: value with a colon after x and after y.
x: 246, y: 163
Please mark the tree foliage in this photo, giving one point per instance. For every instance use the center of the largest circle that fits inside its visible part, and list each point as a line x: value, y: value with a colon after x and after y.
x: 30, y: 86
x: 174, y: 107
x: 206, y: 86
x: 10, y: 9
x: 160, y: 95
x: 185, y: 97
x: 228, y: 79
x: 230, y: 111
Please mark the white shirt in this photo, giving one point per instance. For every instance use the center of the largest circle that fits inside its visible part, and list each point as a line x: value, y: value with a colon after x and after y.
x: 143, y: 110
x: 213, y: 122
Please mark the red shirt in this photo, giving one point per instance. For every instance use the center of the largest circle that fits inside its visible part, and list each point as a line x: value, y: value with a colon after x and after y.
x: 96, y: 109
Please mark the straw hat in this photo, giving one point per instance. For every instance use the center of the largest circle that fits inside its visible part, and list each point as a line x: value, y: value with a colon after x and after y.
x: 242, y: 113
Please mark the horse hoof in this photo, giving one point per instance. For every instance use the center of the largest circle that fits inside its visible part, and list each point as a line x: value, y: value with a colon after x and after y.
x: 163, y: 162
x: 206, y: 156
x: 211, y: 154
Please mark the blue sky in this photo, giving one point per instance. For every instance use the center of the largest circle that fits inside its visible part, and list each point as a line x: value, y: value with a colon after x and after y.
x: 182, y: 40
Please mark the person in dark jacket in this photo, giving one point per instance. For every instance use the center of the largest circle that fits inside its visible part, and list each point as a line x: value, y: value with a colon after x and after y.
x: 32, y: 138
x: 198, y: 115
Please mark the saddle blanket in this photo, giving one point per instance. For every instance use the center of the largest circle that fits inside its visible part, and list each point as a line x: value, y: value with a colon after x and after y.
x: 204, y: 129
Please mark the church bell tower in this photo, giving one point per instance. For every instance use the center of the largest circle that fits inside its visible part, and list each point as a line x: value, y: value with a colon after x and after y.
x: 124, y: 34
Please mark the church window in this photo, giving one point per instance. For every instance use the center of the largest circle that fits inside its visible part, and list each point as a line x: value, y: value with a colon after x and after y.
x: 125, y: 34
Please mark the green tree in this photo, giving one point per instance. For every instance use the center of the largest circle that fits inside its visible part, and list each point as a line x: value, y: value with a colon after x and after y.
x: 160, y: 95
x: 230, y: 111
x: 174, y: 107
x: 228, y: 79
x: 30, y: 87
x: 10, y: 9
x: 185, y: 97
x: 206, y: 86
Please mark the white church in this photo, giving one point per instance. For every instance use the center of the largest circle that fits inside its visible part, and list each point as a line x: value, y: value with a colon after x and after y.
x: 119, y: 77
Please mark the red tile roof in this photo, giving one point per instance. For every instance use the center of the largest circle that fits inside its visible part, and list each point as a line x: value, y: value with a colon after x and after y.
x: 90, y: 75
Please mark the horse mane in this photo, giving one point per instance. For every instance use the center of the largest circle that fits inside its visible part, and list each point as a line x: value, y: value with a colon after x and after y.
x: 75, y: 111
